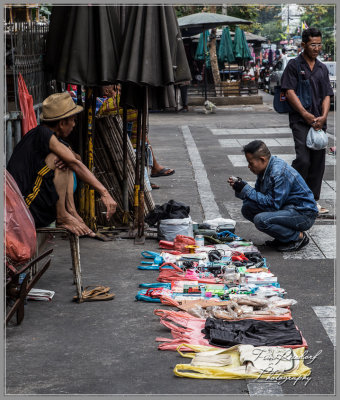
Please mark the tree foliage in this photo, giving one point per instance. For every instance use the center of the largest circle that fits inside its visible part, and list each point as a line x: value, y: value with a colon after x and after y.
x: 323, y: 18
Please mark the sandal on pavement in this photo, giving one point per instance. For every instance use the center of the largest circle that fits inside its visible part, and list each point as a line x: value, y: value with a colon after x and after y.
x: 154, y: 186
x: 322, y: 210
x: 163, y: 172
x: 95, y: 294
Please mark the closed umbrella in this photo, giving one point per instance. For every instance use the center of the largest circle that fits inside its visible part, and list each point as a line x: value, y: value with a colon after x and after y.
x: 202, y: 53
x: 153, y: 52
x: 225, y: 50
x: 240, y: 45
x: 83, y: 45
x: 153, y: 57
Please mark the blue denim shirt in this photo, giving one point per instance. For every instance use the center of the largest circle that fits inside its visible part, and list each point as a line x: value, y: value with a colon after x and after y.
x: 280, y: 187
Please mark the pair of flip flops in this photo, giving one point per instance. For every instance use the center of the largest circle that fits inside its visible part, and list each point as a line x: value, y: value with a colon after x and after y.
x: 95, y: 293
x: 163, y: 172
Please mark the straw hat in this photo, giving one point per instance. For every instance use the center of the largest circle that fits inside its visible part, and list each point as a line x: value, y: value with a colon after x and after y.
x: 59, y: 106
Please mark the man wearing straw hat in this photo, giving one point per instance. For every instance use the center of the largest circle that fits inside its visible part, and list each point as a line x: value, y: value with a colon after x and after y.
x: 42, y: 165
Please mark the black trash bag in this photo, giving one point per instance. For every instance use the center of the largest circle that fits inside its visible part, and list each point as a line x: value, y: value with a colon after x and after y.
x: 170, y: 210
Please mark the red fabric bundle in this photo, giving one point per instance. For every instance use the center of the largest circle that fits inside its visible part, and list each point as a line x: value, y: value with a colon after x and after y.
x: 176, y: 274
x: 29, y: 120
x: 178, y: 244
x: 19, y: 224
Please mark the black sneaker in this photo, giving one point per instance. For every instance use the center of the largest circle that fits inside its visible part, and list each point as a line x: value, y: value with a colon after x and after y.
x: 295, y: 246
x: 273, y: 243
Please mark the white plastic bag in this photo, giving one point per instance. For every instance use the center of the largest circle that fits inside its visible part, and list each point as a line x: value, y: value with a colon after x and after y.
x: 214, y: 223
x: 168, y: 229
x: 316, y: 140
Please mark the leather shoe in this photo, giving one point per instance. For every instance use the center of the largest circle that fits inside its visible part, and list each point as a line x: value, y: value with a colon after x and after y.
x: 273, y: 243
x: 295, y: 246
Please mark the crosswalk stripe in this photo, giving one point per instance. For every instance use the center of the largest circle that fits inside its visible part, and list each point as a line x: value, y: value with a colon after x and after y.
x: 327, y: 316
x: 238, y: 160
x: 264, y: 388
x: 251, y: 131
x: 327, y: 189
x: 209, y: 205
x: 270, y: 142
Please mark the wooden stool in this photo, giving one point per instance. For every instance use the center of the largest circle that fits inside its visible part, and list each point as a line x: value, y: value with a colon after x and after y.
x: 18, y: 292
x: 75, y: 255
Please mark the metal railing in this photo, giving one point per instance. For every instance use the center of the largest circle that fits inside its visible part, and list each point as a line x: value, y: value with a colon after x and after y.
x: 25, y: 46
x: 13, y: 129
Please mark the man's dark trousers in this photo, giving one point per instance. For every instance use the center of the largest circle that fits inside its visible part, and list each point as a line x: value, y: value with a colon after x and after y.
x: 309, y: 163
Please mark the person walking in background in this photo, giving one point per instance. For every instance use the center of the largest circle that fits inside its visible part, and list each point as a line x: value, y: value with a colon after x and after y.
x: 309, y: 163
x: 284, y: 58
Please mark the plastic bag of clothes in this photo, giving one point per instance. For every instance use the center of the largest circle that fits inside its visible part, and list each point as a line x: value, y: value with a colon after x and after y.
x: 170, y: 210
x: 168, y: 229
x: 19, y: 224
x: 242, y: 362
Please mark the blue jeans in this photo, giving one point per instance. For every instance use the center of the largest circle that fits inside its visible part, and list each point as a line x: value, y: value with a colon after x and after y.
x: 284, y: 225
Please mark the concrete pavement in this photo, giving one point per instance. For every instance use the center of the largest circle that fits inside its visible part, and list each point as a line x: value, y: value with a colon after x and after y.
x: 109, y: 347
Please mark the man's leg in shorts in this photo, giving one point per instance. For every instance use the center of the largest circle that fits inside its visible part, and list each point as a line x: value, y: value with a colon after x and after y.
x: 70, y: 206
x: 63, y: 179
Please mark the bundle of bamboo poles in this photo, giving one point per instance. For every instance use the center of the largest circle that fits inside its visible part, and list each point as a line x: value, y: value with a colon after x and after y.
x: 108, y: 161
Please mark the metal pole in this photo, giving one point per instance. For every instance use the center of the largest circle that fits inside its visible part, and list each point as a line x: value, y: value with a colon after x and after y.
x: 125, y: 180
x: 17, y: 131
x: 9, y: 141
x: 140, y: 233
x: 137, y: 169
x: 205, y: 67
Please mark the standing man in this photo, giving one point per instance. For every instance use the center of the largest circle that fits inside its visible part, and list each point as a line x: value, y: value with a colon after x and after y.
x: 309, y: 163
x: 281, y: 204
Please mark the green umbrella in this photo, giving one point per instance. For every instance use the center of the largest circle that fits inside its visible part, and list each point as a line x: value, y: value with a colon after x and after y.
x: 225, y: 50
x: 240, y: 45
x: 202, y: 51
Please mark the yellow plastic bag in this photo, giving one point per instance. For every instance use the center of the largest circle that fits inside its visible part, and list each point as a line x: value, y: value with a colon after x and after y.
x: 235, y: 370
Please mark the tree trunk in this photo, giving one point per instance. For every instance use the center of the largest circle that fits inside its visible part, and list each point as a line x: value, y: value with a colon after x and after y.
x: 213, y: 56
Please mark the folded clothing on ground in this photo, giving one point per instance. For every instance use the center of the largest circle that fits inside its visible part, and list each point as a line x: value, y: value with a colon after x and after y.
x: 257, y: 333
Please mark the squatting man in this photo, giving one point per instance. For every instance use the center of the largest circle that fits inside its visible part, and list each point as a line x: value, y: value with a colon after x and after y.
x: 43, y: 164
x: 281, y: 204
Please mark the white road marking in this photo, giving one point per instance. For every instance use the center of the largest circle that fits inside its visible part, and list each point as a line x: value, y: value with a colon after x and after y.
x: 324, y: 237
x: 209, y: 205
x: 238, y: 160
x: 327, y: 316
x: 264, y: 388
x: 251, y: 131
x: 327, y: 190
x: 270, y: 142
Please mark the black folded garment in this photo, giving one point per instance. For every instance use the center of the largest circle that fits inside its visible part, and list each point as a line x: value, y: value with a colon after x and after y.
x: 250, y: 331
x: 170, y: 210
